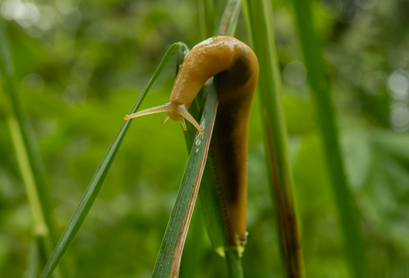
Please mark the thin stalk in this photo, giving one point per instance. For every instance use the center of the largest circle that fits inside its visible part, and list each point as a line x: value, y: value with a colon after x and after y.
x: 259, y: 16
x: 195, y: 247
x: 233, y: 259
x: 97, y: 180
x: 32, y: 259
x: 168, y: 260
x: 28, y: 157
x: 321, y: 93
x: 206, y: 12
x: 230, y: 18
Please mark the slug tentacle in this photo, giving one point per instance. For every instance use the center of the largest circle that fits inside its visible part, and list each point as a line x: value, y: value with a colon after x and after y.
x: 177, y: 112
x: 185, y: 127
x: 153, y: 110
x: 165, y: 119
x: 186, y: 115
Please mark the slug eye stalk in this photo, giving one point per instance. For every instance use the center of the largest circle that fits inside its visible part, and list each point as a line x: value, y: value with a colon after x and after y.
x: 176, y: 112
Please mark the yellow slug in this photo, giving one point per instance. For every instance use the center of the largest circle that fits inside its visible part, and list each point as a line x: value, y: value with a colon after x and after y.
x: 235, y: 67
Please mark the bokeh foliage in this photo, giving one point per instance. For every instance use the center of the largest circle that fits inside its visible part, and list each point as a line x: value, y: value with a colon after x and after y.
x: 81, y: 66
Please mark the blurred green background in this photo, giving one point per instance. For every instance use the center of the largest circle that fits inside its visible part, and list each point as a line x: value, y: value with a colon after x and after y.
x: 82, y: 64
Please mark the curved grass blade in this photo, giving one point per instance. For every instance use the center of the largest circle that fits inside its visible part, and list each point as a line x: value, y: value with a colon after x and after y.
x: 259, y: 18
x: 168, y: 260
x: 96, y: 182
x: 28, y: 157
x: 320, y: 88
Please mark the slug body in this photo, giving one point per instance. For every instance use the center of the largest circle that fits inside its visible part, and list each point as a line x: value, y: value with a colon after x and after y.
x: 235, y: 67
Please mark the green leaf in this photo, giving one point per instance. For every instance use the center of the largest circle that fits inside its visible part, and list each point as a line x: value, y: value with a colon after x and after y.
x: 321, y: 93
x: 230, y: 18
x: 96, y: 182
x: 207, y: 19
x: 259, y: 17
x: 26, y: 148
x: 168, y: 260
x: 234, y: 263
x: 32, y: 259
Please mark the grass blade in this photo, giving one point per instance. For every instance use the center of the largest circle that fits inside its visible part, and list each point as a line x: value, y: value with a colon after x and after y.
x: 207, y: 20
x: 196, y: 244
x: 230, y: 18
x: 260, y: 21
x: 94, y: 186
x: 28, y: 157
x: 234, y: 264
x: 321, y: 93
x: 32, y: 259
x: 168, y: 261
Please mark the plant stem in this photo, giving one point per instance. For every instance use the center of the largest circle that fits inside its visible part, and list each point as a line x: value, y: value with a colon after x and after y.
x: 32, y: 259
x: 168, y: 260
x: 259, y: 16
x: 28, y: 157
x: 321, y: 93
x: 97, y: 180
x: 233, y: 260
x: 230, y: 18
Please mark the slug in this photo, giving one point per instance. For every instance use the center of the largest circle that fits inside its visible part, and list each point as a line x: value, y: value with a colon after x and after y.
x: 235, y: 67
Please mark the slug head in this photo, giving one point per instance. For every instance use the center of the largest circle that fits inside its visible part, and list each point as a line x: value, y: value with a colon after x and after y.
x: 175, y: 111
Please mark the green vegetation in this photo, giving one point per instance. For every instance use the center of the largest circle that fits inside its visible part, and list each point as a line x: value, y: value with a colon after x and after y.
x: 79, y: 66
x: 259, y: 15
